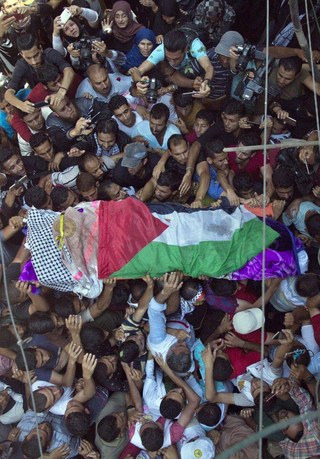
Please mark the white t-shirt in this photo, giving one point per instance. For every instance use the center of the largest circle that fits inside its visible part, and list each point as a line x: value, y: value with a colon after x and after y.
x: 61, y: 405
x: 126, y: 129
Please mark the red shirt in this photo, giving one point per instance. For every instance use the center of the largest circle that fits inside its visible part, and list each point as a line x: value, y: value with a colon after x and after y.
x: 316, y: 327
x: 253, y: 166
x: 240, y: 360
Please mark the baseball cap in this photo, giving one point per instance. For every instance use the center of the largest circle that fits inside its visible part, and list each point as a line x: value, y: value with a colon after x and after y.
x: 202, y: 447
x: 248, y: 321
x: 228, y: 39
x: 133, y: 155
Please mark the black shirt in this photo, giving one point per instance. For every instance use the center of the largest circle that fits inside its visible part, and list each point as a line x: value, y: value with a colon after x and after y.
x: 122, y: 177
x: 215, y: 132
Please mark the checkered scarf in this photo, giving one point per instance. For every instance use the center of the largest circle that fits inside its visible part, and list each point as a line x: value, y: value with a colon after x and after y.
x: 45, y: 255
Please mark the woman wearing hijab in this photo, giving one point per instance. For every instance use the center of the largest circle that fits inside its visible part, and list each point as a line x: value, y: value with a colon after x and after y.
x: 167, y: 18
x: 143, y: 44
x: 121, y: 27
x: 216, y: 16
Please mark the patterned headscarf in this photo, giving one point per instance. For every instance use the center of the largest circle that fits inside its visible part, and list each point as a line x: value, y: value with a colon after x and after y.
x: 188, y: 306
x: 208, y: 9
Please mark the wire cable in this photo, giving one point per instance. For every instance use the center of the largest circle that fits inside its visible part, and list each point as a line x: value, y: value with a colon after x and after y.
x: 19, y: 342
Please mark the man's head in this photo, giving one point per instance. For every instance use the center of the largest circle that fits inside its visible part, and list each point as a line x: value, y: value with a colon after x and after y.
x: 107, y: 131
x: 30, y: 50
x: 283, y: 181
x: 92, y: 337
x: 35, y: 357
x: 216, y: 157
x: 4, y: 105
x: 175, y: 47
x: 295, y: 431
x: 173, y: 403
x: 50, y: 77
x: 245, y: 140
x: 288, y: 69
x: 222, y: 368
x: 167, y: 185
x: 46, y: 397
x: 93, y: 165
x: 308, y: 284
x: 313, y: 226
x: 231, y: 113
x: 227, y: 40
x: 178, y: 148
x: 44, y: 322
x: 256, y: 389
x: 159, y: 115
x: 67, y: 111
x: 38, y: 197
x: 179, y: 357
x: 62, y: 198
x: 11, y: 163
x: 77, y: 418
x: 209, y: 414
x: 151, y: 434
x: 110, y: 191
x: 42, y: 146
x: 183, y: 103
x: 204, y: 119
x: 99, y: 79
x: 4, y: 400
x: 243, y: 185
x: 135, y: 158
x: 30, y: 445
x: 105, y: 369
x: 122, y: 110
x: 87, y: 186
x: 34, y: 121
x: 113, y: 426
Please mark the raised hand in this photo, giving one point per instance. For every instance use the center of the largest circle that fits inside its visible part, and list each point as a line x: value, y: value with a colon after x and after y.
x: 89, y: 363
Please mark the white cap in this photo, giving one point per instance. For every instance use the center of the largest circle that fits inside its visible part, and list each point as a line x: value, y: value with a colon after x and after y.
x: 248, y: 321
x: 200, y: 448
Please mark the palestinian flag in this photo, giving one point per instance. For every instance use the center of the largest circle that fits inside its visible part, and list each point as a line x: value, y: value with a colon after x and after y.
x: 136, y: 239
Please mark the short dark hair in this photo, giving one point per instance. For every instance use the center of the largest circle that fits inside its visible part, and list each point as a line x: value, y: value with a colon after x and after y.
x: 30, y: 447
x: 233, y: 107
x: 91, y: 337
x: 63, y: 306
x: 308, y: 284
x: 291, y: 63
x: 116, y: 102
x: 152, y: 438
x: 302, y: 359
x: 109, y: 126
x: 282, y: 177
x: 36, y: 196
x: 85, y: 182
x: 214, y: 147
x: 5, y: 155
x: 103, y: 190
x: 40, y: 322
x: 3, y: 90
x: 170, y: 178
x: 179, y: 363
x: 84, y: 159
x: 190, y: 288
x: 26, y: 41
x: 205, y: 114
x: 169, y: 408
x: 313, y: 225
x: 159, y: 111
x: 249, y: 139
x: 47, y: 73
x: 59, y: 195
x: 7, y: 339
x: 223, y: 287
x: 30, y: 355
x: 175, y: 40
x: 180, y: 99
x: 242, y: 181
x: 175, y: 140
x: 78, y: 423
x: 210, y: 325
x: 107, y: 428
x: 38, y: 139
x: 222, y: 369
x: 128, y: 351
x: 209, y: 414
x: 100, y: 374
x: 40, y: 401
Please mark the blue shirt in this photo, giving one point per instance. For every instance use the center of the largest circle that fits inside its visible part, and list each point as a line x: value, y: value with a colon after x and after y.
x: 143, y: 129
x: 22, y: 95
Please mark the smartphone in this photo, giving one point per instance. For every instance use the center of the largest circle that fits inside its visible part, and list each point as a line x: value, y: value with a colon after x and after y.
x: 65, y: 16
x: 19, y: 182
x: 291, y: 121
x: 253, y: 123
x: 40, y: 104
x: 279, y: 335
x: 190, y: 93
x: 15, y: 15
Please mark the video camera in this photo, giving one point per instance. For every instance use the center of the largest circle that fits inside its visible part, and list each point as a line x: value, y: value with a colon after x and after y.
x: 85, y: 47
x: 248, y: 52
x: 152, y: 93
x: 250, y: 88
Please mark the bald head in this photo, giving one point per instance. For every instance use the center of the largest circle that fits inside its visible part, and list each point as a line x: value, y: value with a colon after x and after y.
x: 99, y: 79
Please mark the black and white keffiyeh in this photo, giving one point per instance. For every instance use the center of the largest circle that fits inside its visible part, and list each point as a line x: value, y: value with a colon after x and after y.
x: 45, y: 255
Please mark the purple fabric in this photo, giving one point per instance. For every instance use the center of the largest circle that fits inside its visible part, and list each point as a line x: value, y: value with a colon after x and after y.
x: 28, y: 274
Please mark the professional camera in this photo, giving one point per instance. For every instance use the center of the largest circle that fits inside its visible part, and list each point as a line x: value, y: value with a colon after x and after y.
x: 305, y: 179
x: 248, y: 52
x: 85, y: 47
x: 250, y: 88
x: 153, y: 86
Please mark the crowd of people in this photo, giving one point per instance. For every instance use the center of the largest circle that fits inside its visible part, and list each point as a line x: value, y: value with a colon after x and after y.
x: 162, y: 101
